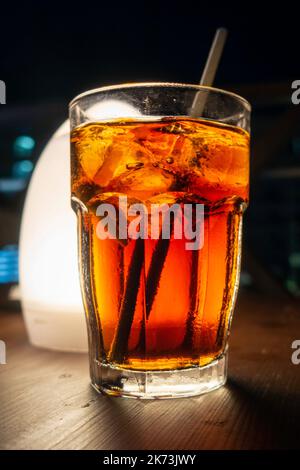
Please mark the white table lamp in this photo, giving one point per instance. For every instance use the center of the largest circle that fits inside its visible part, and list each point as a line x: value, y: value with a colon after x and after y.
x: 49, y: 279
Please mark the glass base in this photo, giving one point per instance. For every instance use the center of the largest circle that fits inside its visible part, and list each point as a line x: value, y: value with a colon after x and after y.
x: 160, y: 384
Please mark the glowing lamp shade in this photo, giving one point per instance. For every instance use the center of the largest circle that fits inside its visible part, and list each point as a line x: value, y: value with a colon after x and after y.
x: 49, y: 280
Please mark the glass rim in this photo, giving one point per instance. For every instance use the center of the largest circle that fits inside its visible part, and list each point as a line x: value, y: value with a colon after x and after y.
x: 123, y: 86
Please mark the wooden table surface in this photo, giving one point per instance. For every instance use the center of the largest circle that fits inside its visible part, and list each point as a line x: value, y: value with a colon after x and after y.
x: 46, y: 401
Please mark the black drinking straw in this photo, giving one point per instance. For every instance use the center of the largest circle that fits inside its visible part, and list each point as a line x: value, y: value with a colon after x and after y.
x: 127, y: 309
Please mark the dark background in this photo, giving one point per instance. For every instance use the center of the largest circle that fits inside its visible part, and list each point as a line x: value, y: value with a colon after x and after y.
x: 51, y: 51
x: 54, y: 50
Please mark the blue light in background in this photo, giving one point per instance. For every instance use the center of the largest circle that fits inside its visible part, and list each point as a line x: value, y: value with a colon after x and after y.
x: 12, y: 185
x: 22, y: 169
x: 23, y: 146
x: 9, y: 261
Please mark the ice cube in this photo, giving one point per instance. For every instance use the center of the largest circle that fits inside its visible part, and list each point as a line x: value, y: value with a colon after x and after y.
x: 121, y: 156
x: 147, y: 179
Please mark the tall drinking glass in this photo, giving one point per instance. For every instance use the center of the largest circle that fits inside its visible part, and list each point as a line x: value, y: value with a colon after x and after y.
x: 160, y: 177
